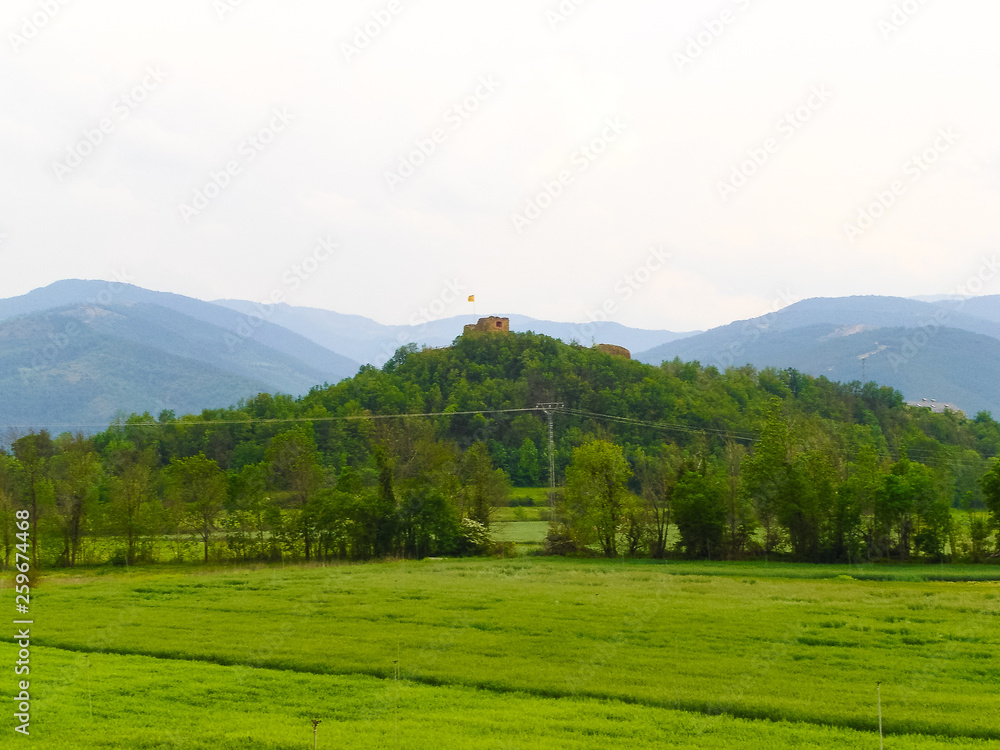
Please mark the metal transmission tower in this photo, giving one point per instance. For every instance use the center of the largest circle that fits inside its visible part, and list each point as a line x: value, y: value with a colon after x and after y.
x: 549, y: 410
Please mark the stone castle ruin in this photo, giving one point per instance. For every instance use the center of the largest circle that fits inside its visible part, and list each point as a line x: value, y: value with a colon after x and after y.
x: 502, y: 325
x: 489, y: 325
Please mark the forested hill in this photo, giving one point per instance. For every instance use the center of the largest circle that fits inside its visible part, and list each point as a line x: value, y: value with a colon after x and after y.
x: 412, y: 460
x: 695, y: 407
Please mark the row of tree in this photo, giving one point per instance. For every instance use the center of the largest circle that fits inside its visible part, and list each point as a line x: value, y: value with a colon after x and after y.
x: 777, y: 498
x: 414, y: 499
x: 713, y: 464
x: 419, y: 497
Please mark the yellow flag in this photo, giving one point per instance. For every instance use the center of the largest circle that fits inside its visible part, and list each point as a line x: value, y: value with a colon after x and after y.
x: 472, y: 298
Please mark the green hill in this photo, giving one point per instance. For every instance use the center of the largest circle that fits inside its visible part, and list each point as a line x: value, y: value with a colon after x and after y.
x: 410, y: 460
x: 505, y: 377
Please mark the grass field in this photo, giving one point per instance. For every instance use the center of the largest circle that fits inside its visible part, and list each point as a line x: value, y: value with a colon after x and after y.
x: 522, y: 653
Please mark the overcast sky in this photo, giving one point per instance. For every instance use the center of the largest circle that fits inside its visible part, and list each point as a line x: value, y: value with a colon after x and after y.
x: 679, y: 164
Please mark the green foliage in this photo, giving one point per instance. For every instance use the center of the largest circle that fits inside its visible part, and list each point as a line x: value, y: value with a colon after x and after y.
x: 798, y: 467
x: 701, y: 512
x: 475, y: 537
x: 529, y: 467
x: 596, y: 495
x: 197, y: 489
x: 75, y: 472
x: 991, y: 494
x: 483, y: 488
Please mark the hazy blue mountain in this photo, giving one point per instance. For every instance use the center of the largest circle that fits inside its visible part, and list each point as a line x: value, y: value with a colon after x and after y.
x: 58, y: 370
x: 872, y: 312
x: 987, y: 307
x: 723, y: 346
x: 921, y: 349
x: 365, y: 340
x: 231, y: 330
x: 77, y: 352
x: 98, y: 353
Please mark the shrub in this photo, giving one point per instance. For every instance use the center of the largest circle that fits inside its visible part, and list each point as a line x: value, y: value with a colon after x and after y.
x: 475, y: 538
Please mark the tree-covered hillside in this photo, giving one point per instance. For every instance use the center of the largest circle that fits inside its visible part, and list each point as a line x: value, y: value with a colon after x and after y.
x: 412, y: 458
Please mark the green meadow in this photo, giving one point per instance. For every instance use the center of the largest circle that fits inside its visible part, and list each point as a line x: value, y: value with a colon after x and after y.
x: 520, y: 653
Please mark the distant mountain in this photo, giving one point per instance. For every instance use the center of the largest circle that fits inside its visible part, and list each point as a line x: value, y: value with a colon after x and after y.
x: 984, y: 307
x: 78, y: 352
x: 231, y: 329
x: 82, y: 379
x: 134, y: 350
x: 922, y: 349
x: 365, y: 340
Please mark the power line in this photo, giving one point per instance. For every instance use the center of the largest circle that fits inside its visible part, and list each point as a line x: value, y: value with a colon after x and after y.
x: 917, y: 454
x: 545, y: 408
x: 660, y: 425
x: 276, y: 420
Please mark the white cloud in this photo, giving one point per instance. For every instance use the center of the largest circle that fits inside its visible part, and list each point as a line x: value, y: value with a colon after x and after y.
x: 656, y: 184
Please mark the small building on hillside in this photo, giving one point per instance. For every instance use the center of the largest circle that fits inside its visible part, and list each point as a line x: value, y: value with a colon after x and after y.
x: 489, y: 325
x: 934, y: 405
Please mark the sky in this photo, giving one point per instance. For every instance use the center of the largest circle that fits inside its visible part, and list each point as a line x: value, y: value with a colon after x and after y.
x: 663, y: 164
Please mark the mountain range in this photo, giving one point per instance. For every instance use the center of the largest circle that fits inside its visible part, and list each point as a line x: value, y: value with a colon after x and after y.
x: 948, y: 350
x: 75, y: 354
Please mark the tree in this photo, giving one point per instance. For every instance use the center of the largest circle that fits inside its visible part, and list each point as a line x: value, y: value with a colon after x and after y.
x: 483, y: 488
x: 381, y: 515
x: 740, y: 523
x: 248, y: 500
x: 131, y: 502
x: 429, y: 523
x: 978, y: 524
x: 991, y: 495
x: 809, y: 490
x: 8, y: 506
x: 33, y: 452
x: 767, y: 474
x: 596, y: 493
x: 76, y: 472
x: 906, y: 491
x: 857, y: 502
x: 296, y: 466
x: 700, y: 509
x: 197, y: 487
x: 658, y: 473
x: 529, y: 467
